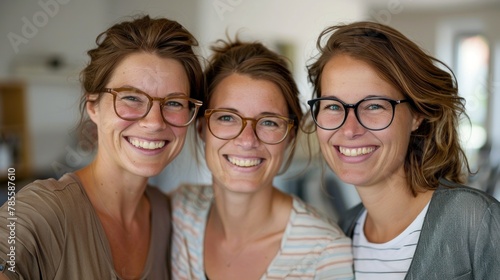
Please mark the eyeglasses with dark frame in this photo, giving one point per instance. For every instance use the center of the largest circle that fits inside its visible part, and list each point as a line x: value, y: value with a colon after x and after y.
x: 226, y: 125
x: 132, y: 104
x: 373, y: 113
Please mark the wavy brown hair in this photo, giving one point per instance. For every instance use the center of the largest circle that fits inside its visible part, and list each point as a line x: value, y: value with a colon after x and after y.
x: 258, y: 62
x: 434, y: 150
x: 159, y: 36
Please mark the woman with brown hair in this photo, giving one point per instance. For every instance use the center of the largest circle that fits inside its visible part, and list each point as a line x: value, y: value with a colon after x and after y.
x: 387, y: 119
x: 241, y: 226
x: 104, y: 221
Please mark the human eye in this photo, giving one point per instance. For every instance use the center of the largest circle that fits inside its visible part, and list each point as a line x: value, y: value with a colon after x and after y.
x: 225, y: 118
x: 375, y: 105
x: 130, y: 97
x: 175, y: 104
x: 272, y: 123
x: 331, y: 106
x: 269, y: 122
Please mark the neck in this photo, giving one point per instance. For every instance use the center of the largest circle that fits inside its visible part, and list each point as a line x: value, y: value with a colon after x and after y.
x: 390, y: 210
x: 238, y: 216
x: 112, y: 193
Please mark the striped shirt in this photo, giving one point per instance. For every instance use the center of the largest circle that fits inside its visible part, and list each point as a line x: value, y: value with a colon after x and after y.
x: 390, y: 260
x: 312, y: 247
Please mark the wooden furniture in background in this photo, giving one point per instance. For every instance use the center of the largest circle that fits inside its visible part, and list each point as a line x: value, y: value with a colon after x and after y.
x: 14, y: 127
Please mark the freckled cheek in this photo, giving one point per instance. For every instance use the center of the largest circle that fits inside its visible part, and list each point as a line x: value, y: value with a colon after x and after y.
x: 213, y: 151
x: 112, y: 128
x: 323, y: 136
x: 179, y: 132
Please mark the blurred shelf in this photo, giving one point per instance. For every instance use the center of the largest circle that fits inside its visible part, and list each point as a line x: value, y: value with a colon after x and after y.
x: 14, y: 137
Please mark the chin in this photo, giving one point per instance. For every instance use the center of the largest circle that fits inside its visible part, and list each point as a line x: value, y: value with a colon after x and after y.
x: 244, y: 187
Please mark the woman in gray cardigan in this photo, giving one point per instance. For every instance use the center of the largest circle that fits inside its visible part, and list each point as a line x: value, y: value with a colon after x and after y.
x: 387, y: 119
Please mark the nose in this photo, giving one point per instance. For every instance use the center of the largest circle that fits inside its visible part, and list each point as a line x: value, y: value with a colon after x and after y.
x: 154, y: 118
x: 352, y: 127
x: 248, y: 137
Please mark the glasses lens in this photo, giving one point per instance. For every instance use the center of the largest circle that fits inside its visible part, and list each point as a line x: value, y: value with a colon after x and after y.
x: 225, y: 125
x: 328, y: 114
x: 133, y: 105
x: 178, y: 111
x: 271, y: 129
x: 130, y: 105
x: 375, y: 114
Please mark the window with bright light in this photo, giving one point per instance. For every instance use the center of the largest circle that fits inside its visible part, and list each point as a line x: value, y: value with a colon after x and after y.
x: 472, y: 72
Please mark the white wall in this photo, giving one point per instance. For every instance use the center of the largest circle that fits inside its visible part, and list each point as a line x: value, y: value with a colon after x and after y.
x: 280, y: 21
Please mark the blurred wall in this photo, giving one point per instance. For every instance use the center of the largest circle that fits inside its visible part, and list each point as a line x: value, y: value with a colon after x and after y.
x: 435, y: 32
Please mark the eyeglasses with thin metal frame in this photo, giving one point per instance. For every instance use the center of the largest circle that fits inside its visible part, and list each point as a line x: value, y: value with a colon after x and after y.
x: 373, y: 113
x: 226, y: 125
x: 132, y: 104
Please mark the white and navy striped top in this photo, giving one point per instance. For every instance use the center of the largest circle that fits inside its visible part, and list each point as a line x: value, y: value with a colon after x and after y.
x: 390, y: 260
x: 312, y: 247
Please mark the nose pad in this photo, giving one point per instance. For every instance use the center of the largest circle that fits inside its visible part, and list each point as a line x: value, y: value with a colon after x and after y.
x: 154, y: 118
x: 248, y: 136
x: 352, y: 126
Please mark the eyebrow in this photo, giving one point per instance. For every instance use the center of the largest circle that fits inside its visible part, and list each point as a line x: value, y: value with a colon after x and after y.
x: 368, y: 96
x: 260, y: 114
x: 175, y: 93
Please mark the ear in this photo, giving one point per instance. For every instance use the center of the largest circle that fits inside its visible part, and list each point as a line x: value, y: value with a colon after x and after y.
x: 92, y: 109
x: 201, y: 127
x: 417, y: 121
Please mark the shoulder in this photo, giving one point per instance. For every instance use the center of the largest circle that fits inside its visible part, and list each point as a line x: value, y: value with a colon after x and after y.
x: 66, y: 182
x: 190, y: 203
x: 50, y: 196
x: 191, y: 193
x: 307, y: 222
x: 458, y: 207
x: 44, y: 210
x: 314, y: 246
x: 452, y: 195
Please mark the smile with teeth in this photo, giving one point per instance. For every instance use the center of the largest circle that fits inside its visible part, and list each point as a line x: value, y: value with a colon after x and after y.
x: 148, y: 145
x: 244, y: 162
x: 356, y: 152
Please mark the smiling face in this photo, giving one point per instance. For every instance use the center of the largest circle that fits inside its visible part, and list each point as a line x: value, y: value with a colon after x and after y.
x: 143, y: 147
x: 245, y: 164
x: 357, y: 155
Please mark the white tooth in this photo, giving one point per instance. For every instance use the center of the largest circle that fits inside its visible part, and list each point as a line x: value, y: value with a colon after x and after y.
x: 356, y: 152
x: 244, y: 162
x: 146, y: 144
